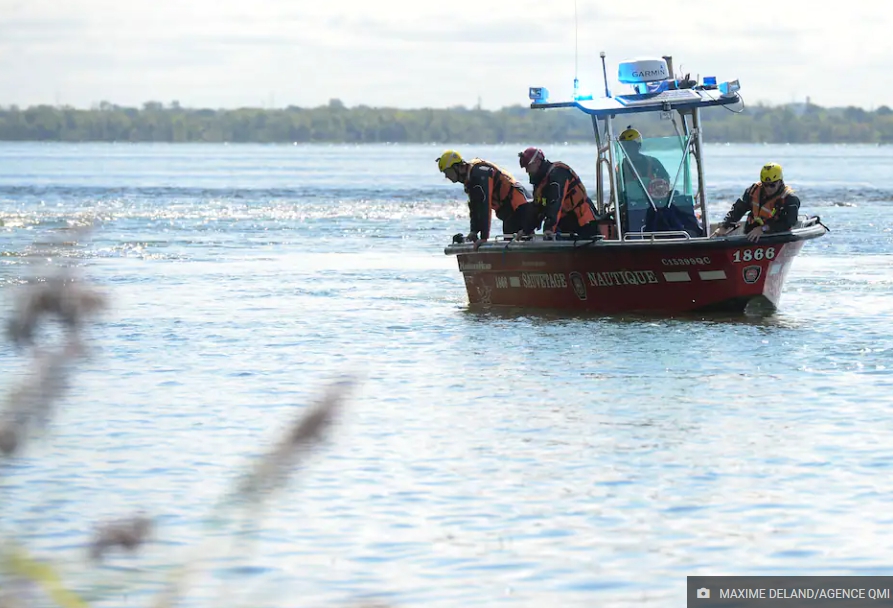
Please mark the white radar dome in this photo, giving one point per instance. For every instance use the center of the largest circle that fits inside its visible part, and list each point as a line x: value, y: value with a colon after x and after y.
x: 637, y: 71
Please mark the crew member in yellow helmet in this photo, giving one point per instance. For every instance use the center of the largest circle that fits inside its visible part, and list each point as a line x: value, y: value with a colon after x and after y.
x: 490, y: 187
x: 648, y: 167
x: 770, y: 205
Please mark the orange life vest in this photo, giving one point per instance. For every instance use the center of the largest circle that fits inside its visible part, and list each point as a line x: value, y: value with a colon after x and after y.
x: 575, y: 199
x: 760, y: 212
x: 503, y: 188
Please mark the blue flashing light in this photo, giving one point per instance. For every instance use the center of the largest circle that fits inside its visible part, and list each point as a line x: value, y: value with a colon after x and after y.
x: 578, y: 96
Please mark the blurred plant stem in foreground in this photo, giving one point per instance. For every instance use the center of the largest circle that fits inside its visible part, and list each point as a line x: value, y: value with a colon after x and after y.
x: 57, y: 298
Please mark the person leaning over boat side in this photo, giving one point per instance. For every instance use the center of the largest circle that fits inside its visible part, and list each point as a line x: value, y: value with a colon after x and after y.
x: 771, y: 206
x: 490, y: 187
x: 560, y: 195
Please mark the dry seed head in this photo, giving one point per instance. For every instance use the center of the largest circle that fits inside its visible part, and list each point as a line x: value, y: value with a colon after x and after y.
x: 71, y: 302
x: 9, y: 439
x: 302, y: 436
x: 127, y: 534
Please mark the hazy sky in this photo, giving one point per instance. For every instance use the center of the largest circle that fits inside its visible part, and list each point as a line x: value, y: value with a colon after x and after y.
x: 418, y: 53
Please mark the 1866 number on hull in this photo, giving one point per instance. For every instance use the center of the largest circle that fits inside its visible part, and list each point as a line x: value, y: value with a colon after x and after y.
x: 750, y: 255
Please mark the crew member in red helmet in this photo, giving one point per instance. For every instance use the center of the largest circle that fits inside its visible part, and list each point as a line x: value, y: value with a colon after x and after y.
x: 560, y: 195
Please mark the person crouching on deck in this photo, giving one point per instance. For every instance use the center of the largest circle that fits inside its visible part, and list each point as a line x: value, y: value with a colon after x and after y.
x: 560, y: 195
x: 771, y: 206
x: 490, y: 188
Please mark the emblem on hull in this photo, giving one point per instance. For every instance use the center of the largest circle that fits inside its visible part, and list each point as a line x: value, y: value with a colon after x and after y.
x: 578, y: 284
x: 751, y: 274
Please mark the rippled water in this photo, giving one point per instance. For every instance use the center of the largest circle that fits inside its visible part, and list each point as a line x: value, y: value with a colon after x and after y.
x: 488, y: 458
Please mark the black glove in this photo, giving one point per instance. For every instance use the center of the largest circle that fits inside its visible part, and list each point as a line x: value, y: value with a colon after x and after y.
x: 458, y: 238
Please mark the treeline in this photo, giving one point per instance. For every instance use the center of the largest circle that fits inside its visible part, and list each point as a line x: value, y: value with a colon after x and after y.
x: 336, y: 123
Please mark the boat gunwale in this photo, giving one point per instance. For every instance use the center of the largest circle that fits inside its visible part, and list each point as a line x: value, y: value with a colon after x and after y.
x: 805, y: 233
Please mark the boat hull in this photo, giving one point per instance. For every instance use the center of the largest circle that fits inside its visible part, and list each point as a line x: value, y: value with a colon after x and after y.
x: 725, y: 274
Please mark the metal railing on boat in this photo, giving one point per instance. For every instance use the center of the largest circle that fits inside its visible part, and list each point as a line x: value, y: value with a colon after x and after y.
x: 559, y: 238
x: 669, y: 235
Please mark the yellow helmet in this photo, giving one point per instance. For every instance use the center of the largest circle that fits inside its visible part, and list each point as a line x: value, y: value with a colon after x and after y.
x: 448, y: 159
x: 630, y: 134
x: 771, y: 172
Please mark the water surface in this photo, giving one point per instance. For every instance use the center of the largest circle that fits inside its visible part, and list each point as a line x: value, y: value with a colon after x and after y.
x: 488, y: 458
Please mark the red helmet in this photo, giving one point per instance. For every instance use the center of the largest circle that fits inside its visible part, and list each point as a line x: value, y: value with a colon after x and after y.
x: 528, y: 155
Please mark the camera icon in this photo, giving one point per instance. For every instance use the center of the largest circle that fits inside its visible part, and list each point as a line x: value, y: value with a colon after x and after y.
x: 703, y: 593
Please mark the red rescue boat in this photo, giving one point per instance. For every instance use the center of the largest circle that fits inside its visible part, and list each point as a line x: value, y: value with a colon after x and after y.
x: 657, y: 254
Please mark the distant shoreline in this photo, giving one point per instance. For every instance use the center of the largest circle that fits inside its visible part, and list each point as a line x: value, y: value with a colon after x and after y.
x: 439, y: 145
x: 336, y: 124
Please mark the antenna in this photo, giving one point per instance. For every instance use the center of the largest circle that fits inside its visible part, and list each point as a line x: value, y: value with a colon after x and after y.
x: 576, y: 53
x: 605, y: 74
